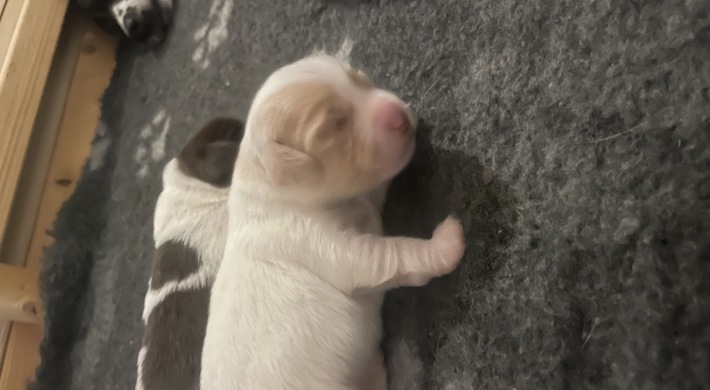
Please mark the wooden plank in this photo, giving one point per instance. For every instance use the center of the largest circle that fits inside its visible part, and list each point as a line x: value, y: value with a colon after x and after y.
x: 10, y: 16
x: 21, y: 356
x: 2, y: 7
x: 78, y: 122
x: 22, y: 78
x: 77, y: 130
x: 4, y: 336
x: 42, y: 141
x: 77, y: 125
x: 19, y: 294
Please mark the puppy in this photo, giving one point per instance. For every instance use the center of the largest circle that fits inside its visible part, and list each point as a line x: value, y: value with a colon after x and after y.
x: 296, y: 303
x: 190, y: 231
x: 140, y: 20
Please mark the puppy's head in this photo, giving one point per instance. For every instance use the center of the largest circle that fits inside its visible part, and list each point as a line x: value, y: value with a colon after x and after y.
x: 320, y: 129
x: 210, y: 154
x: 143, y: 20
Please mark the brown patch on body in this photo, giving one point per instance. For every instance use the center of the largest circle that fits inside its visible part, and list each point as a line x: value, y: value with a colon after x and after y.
x: 174, y: 336
x: 210, y: 154
x: 173, y: 261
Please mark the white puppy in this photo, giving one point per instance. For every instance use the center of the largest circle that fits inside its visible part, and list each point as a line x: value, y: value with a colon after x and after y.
x: 297, y: 299
x: 189, y: 230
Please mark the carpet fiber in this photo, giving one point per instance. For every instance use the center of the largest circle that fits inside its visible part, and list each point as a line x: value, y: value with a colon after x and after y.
x: 571, y: 137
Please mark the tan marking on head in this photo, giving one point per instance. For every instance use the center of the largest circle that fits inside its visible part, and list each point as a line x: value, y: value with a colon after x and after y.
x: 359, y: 78
x: 311, y: 137
x: 319, y: 130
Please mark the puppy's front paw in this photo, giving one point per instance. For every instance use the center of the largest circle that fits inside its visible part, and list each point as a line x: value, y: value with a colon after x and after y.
x: 449, y: 245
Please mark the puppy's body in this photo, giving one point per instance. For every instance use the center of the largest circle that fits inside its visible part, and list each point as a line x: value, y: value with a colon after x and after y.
x: 296, y: 301
x: 189, y: 230
x: 282, y: 315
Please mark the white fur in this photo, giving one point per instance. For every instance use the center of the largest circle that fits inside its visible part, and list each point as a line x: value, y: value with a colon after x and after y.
x: 316, y: 317
x: 193, y: 212
x: 296, y: 302
x: 141, y: 359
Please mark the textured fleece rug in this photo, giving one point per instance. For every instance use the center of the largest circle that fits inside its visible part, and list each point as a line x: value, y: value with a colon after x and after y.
x: 572, y: 138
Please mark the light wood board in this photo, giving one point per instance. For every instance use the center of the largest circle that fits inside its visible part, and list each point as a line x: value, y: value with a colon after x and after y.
x: 4, y: 335
x: 22, y: 78
x: 11, y: 10
x: 21, y: 356
x: 19, y: 295
x: 25, y: 206
x: 76, y: 132
x: 78, y: 122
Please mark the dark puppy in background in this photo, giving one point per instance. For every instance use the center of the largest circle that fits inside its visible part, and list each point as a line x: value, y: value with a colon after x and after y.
x: 143, y: 21
x: 190, y: 229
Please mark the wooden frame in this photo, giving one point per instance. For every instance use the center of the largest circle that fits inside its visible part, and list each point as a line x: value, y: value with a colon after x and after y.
x: 26, y: 47
x: 19, y: 295
x: 50, y: 104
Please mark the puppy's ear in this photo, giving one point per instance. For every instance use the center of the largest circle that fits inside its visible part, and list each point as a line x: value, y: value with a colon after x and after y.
x: 287, y: 166
x: 210, y: 154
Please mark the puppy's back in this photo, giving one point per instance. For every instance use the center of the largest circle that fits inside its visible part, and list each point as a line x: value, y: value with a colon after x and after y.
x: 274, y: 324
x: 190, y: 229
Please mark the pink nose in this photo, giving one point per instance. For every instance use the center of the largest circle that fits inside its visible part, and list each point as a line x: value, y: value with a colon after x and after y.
x: 393, y: 117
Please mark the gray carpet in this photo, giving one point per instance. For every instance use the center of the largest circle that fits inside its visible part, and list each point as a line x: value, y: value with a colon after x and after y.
x: 572, y: 138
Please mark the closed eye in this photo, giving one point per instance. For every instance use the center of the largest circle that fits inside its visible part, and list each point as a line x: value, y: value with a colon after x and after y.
x: 339, y: 117
x: 342, y: 122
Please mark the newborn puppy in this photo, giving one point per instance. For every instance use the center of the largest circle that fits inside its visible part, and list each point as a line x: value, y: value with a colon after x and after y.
x: 296, y: 303
x: 190, y: 231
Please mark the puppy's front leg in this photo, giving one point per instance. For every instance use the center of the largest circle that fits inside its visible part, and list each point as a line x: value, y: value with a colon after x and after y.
x: 385, y: 262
